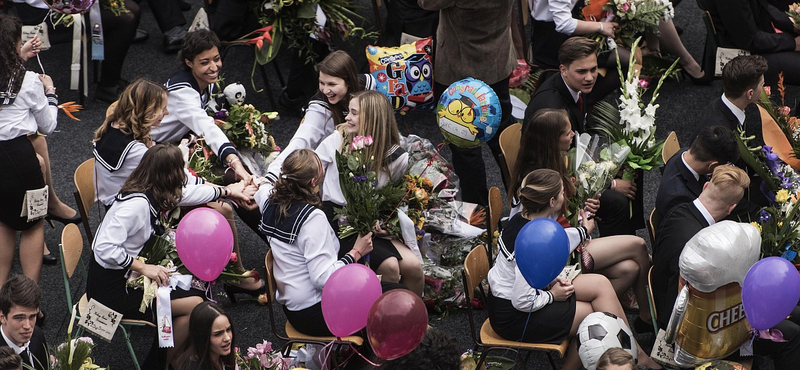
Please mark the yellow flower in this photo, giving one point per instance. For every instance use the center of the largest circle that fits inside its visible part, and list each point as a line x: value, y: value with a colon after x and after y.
x: 782, y: 196
x: 757, y: 226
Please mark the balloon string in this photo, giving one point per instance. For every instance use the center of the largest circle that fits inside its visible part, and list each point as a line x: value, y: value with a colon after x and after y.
x: 36, y: 34
x: 208, y: 293
x: 326, y: 350
x: 374, y: 365
x: 405, y: 197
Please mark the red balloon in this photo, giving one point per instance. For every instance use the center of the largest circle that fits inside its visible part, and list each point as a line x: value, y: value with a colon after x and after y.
x: 396, y: 324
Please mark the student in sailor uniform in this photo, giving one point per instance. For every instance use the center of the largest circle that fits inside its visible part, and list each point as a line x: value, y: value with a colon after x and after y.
x: 27, y: 103
x: 519, y: 312
x: 623, y: 259
x: 190, y: 91
x: 304, y: 245
x: 156, y: 185
x: 338, y: 81
x: 124, y: 137
x: 370, y: 114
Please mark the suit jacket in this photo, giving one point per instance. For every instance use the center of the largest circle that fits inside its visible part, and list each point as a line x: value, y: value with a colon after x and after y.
x: 679, y: 225
x: 747, y: 24
x: 38, y: 349
x: 553, y: 93
x: 678, y: 186
x: 473, y: 40
x: 718, y: 114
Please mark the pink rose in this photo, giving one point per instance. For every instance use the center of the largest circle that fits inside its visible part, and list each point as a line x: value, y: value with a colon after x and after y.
x: 767, y: 90
x: 234, y: 257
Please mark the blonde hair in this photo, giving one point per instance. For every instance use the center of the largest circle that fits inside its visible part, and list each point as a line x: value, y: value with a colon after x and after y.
x: 376, y: 118
x: 294, y: 185
x: 537, y: 188
x: 727, y: 184
x: 136, y: 111
x: 615, y: 356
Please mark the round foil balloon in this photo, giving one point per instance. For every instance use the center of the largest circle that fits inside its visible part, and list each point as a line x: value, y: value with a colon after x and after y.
x: 469, y: 113
x: 70, y: 6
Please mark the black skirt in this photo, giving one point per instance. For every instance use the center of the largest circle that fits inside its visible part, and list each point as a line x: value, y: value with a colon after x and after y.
x: 18, y: 160
x: 382, y: 249
x: 108, y: 287
x: 550, y: 324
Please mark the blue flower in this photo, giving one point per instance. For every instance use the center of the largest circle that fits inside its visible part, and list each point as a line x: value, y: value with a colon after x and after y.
x: 764, y: 216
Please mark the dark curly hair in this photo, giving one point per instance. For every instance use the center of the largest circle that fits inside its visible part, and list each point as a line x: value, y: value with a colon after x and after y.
x: 437, y: 351
x: 11, y: 65
x: 195, y: 43
x: 160, y: 173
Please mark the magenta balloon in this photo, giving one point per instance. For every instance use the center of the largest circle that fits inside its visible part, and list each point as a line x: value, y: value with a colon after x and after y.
x: 70, y: 6
x: 347, y: 297
x: 204, y: 241
x: 397, y: 324
x: 770, y: 292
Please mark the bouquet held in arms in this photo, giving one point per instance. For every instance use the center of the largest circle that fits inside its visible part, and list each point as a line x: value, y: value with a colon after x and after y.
x: 366, y: 204
x: 593, y: 165
x: 262, y: 357
x: 632, y: 16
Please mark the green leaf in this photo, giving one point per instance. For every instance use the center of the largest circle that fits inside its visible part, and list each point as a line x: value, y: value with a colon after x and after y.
x: 307, y: 11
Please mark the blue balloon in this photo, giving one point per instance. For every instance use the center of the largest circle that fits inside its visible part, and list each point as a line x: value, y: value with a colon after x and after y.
x: 541, y: 249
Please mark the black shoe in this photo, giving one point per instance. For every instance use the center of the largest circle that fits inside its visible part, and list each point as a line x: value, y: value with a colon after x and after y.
x: 232, y: 290
x: 108, y: 94
x: 705, y: 80
x: 141, y: 36
x: 72, y: 220
x: 49, y: 259
x: 184, y: 5
x: 641, y: 327
x: 172, y: 44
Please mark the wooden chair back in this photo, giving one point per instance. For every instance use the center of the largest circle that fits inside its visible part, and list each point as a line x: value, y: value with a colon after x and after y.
x: 509, y: 145
x: 671, y: 146
x: 85, y: 193
x: 71, y: 248
x: 493, y: 221
x: 476, y: 268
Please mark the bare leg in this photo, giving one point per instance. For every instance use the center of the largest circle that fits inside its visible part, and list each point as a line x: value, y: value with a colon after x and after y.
x: 30, y: 250
x: 671, y: 42
x: 411, y: 274
x: 227, y: 210
x: 624, y: 260
x: 597, y: 291
x: 8, y: 246
x: 181, y: 311
x: 54, y: 205
x: 389, y: 270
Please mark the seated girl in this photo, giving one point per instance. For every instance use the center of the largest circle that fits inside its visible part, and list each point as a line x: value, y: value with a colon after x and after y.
x: 211, y: 340
x: 303, y: 244
x: 519, y: 312
x: 371, y: 115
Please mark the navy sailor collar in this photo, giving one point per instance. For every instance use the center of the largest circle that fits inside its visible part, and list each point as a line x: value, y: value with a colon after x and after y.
x: 184, y: 79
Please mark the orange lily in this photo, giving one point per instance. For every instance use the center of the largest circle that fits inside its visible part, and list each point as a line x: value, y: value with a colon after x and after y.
x: 263, y: 34
x: 69, y: 108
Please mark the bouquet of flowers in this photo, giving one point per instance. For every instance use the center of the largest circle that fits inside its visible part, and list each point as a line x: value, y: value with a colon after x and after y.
x: 633, y: 16
x: 633, y: 121
x: 72, y: 354
x: 778, y: 225
x: 298, y: 21
x: 262, y: 357
x: 200, y: 160
x: 247, y: 127
x: 595, y: 165
x: 781, y: 114
x: 794, y: 14
x: 366, y: 204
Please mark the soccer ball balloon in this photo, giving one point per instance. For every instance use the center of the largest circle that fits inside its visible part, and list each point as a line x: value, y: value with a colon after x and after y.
x: 600, y: 331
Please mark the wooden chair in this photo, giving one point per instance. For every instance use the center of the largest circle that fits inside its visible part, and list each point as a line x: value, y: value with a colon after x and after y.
x: 651, y: 300
x: 509, y: 146
x: 671, y: 146
x: 493, y: 221
x: 84, y: 195
x: 71, y: 250
x: 651, y: 226
x: 292, y: 335
x: 476, y: 268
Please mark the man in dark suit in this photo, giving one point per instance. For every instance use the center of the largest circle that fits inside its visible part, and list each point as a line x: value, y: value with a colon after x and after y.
x: 751, y: 25
x: 686, y: 172
x: 681, y: 223
x: 19, y: 308
x: 742, y: 82
x: 571, y: 90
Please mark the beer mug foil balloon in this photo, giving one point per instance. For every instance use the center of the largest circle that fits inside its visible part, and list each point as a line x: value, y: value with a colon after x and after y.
x: 708, y: 321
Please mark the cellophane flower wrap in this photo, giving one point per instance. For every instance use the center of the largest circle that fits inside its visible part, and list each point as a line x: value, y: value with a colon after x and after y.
x: 261, y: 357
x: 593, y: 165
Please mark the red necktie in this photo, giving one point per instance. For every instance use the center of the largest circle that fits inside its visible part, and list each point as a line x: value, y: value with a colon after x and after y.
x: 580, y: 102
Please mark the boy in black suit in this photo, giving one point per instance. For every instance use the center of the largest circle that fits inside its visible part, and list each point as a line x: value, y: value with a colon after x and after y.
x: 19, y: 308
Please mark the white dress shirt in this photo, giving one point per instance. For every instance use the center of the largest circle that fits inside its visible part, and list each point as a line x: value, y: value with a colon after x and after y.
x: 736, y: 111
x: 30, y: 111
x: 556, y: 11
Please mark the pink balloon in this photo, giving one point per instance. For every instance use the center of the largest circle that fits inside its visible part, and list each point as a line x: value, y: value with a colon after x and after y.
x: 204, y: 241
x: 397, y: 324
x: 347, y: 297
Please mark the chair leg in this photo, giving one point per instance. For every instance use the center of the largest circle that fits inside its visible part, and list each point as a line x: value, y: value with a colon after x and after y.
x: 130, y: 347
x: 482, y: 359
x: 552, y: 362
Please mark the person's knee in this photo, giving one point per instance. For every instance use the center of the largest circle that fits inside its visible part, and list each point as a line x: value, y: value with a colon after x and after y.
x: 628, y: 268
x: 390, y: 269
x: 226, y: 210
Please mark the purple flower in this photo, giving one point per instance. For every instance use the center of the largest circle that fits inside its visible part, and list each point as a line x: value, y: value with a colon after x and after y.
x: 221, y: 115
x: 771, y: 158
x: 764, y: 216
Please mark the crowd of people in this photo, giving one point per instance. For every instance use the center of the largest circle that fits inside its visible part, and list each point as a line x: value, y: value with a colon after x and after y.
x: 292, y: 207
